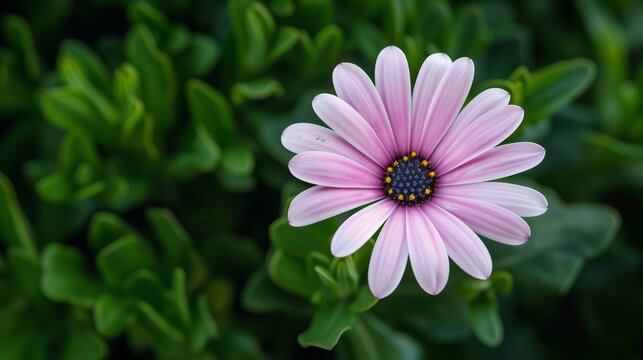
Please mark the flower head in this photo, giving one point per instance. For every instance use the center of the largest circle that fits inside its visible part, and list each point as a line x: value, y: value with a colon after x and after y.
x: 423, y: 164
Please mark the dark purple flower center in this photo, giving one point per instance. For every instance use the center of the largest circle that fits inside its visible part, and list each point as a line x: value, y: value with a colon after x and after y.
x: 410, y: 180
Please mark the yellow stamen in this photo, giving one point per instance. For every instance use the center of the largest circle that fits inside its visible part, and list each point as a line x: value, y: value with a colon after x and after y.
x: 432, y: 174
x: 400, y: 197
x: 427, y: 191
x: 412, y: 197
x: 388, y: 179
x: 414, y: 154
x: 425, y: 163
x: 389, y: 169
x: 395, y: 163
x: 405, y: 158
x: 390, y: 191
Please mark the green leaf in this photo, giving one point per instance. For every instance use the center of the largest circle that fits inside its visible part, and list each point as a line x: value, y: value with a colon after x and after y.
x: 73, y: 75
x: 205, y: 328
x: 114, y: 314
x: 122, y: 257
x: 327, y: 326
x: 14, y: 227
x: 199, y: 58
x: 145, y: 285
x: 106, y: 228
x: 69, y: 109
x: 175, y: 241
x: 65, y: 277
x: 83, y: 344
x: 328, y: 44
x: 290, y: 274
x: 54, y: 188
x: 485, y: 322
x: 19, y: 34
x: 158, y: 83
x: 563, y: 240
x: 287, y: 38
x: 364, y: 300
x: 468, y: 32
x: 299, y: 242
x: 25, y: 270
x: 259, y: 89
x: 158, y: 324
x: 211, y: 110
x: 91, y: 65
x: 262, y: 296
x: 180, y: 296
x: 141, y: 12
x: 556, y: 86
x: 238, y: 161
x: 372, y: 339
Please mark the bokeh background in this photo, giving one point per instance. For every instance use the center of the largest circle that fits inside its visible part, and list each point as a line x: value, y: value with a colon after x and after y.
x: 143, y: 183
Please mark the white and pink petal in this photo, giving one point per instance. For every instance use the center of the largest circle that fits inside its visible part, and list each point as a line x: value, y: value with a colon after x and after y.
x: 320, y: 203
x: 327, y: 169
x: 388, y: 260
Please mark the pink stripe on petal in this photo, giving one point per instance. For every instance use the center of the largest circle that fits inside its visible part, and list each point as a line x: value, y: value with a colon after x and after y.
x: 522, y: 200
x: 393, y: 82
x: 326, y: 169
x: 486, y: 219
x: 351, y: 126
x: 356, y: 88
x: 431, y: 73
x: 497, y: 163
x: 388, y: 260
x: 360, y: 227
x: 303, y: 137
x: 427, y: 252
x: 483, y: 134
x: 320, y: 203
x: 463, y: 246
x: 447, y: 102
x: 485, y: 101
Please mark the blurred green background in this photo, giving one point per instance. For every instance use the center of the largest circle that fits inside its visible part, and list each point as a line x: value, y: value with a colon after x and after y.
x: 143, y: 183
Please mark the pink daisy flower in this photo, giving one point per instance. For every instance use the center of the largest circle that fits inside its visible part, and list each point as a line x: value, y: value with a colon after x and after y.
x: 425, y: 167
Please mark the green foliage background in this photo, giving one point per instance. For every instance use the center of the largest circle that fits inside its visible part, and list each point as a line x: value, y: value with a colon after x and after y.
x: 143, y: 183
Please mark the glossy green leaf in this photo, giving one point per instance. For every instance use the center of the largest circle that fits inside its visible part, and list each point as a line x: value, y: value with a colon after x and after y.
x: 327, y: 326
x: 299, y: 242
x: 144, y: 13
x: 180, y: 297
x: 290, y: 274
x: 69, y: 109
x: 205, y: 328
x: 563, y: 240
x: 199, y: 58
x: 145, y: 285
x: 81, y: 344
x: 286, y: 39
x: 158, y: 83
x: 261, y: 295
x: 468, y: 32
x: 122, y: 257
x: 106, y: 228
x: 238, y: 161
x: 65, y: 276
x: 175, y: 241
x: 485, y: 323
x: 55, y: 188
x: 113, y: 314
x: 554, y: 87
x: 210, y: 109
x: 371, y: 338
x: 364, y: 300
x: 18, y: 33
x: 328, y: 45
x: 14, y: 227
x: 159, y: 324
x: 259, y: 89
x: 25, y: 269
x: 90, y: 64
